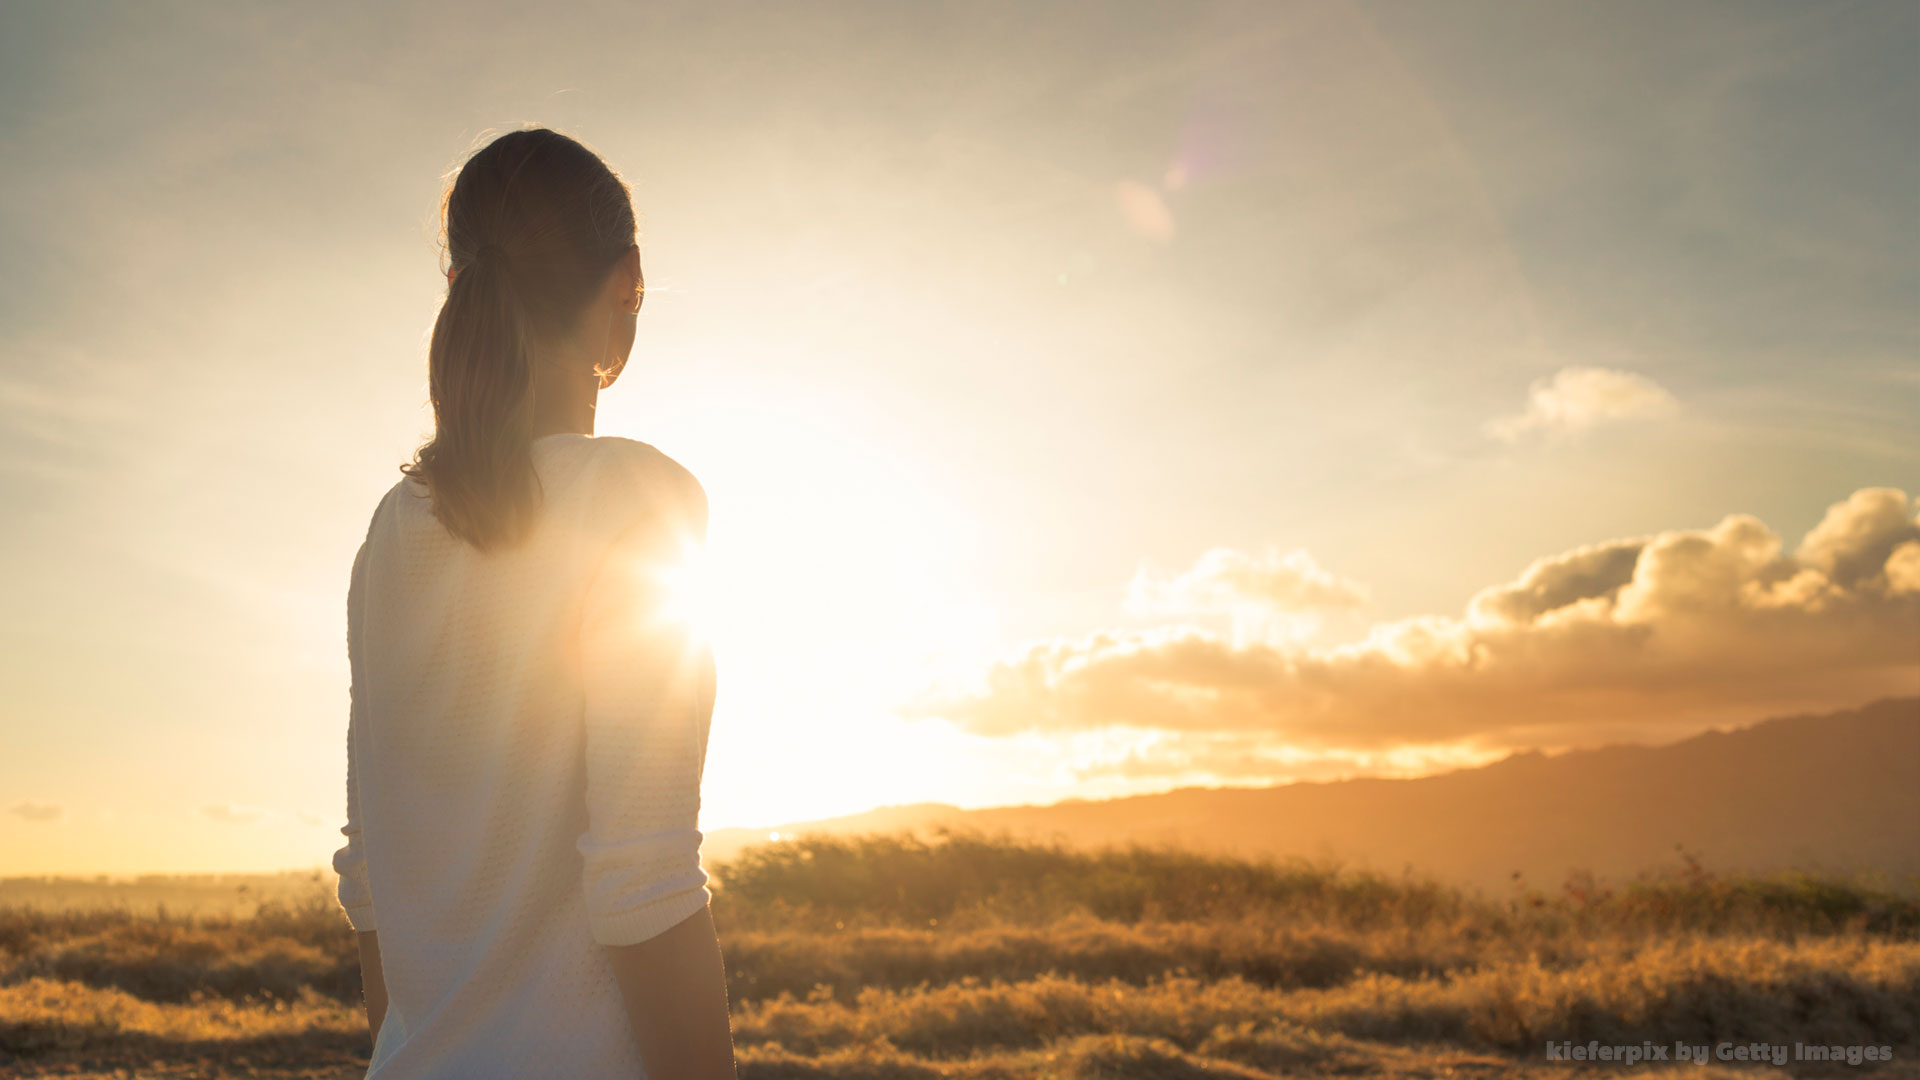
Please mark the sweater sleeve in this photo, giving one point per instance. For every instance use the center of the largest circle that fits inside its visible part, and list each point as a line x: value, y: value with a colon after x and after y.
x: 350, y: 862
x: 649, y: 685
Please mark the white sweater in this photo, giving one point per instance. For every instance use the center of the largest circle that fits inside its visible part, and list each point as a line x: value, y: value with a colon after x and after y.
x: 526, y: 742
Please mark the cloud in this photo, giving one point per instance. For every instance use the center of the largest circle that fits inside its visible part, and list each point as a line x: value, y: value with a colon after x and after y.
x: 38, y: 812
x: 1223, y: 580
x: 1860, y: 537
x: 1240, y: 756
x: 1552, y: 584
x: 1274, y: 595
x: 234, y: 814
x: 1578, y: 398
x: 1657, y: 634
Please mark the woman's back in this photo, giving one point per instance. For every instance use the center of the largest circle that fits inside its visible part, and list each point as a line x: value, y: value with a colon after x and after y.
x: 526, y: 745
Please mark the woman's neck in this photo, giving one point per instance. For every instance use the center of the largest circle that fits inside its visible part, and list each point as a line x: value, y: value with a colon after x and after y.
x: 565, y: 394
x: 552, y: 415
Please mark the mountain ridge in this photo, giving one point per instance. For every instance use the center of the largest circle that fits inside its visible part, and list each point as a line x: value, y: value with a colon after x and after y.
x: 1829, y: 792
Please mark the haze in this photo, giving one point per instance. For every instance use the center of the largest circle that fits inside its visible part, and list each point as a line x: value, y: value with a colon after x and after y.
x: 1093, y: 398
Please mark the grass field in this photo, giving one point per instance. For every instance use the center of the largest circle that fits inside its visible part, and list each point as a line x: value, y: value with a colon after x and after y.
x: 973, y: 957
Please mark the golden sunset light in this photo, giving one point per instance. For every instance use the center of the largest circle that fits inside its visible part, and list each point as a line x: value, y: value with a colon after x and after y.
x: 1238, y: 401
x: 688, y: 592
x: 1325, y: 538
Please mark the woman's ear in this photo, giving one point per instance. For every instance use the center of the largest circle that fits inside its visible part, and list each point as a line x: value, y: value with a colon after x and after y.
x: 633, y: 282
x: 626, y: 290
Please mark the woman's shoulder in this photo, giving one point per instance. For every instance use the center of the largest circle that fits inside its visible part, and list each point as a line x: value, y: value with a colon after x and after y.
x: 628, y: 476
x: 630, y: 462
x: 406, y: 492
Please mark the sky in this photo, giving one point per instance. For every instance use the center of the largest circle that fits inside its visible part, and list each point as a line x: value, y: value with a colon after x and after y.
x: 1092, y: 398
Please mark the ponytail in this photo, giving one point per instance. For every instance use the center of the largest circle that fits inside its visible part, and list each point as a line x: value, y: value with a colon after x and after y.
x: 532, y: 225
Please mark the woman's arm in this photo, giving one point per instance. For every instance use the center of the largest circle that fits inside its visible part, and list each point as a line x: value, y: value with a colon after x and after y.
x: 675, y: 986
x: 350, y: 861
x: 373, y: 982
x: 649, y: 688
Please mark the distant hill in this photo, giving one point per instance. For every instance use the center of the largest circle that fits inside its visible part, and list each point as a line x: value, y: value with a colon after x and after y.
x: 180, y: 894
x: 1839, y: 792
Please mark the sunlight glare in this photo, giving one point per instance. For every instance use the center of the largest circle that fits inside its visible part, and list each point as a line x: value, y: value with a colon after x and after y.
x: 686, y: 584
x: 834, y: 577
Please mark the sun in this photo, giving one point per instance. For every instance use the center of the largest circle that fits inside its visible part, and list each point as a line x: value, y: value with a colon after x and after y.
x: 686, y: 590
x: 833, y: 579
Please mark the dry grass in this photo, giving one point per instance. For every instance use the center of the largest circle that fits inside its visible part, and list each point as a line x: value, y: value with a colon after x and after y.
x: 886, y: 958
x: 1832, y: 992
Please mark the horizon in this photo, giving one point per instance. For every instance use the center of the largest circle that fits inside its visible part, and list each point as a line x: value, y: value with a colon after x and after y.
x: 777, y: 831
x: 1219, y: 395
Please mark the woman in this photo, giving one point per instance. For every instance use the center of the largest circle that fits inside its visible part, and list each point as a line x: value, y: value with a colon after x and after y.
x: 528, y: 725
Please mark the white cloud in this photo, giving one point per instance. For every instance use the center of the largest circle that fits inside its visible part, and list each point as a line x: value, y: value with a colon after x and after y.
x: 1671, y: 631
x: 1578, y: 398
x: 1224, y: 579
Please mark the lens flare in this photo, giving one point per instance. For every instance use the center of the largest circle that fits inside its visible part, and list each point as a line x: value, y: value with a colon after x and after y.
x: 686, y: 591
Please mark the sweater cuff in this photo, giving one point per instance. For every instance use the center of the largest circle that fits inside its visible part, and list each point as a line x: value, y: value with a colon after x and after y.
x: 361, y: 918
x: 634, y: 925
